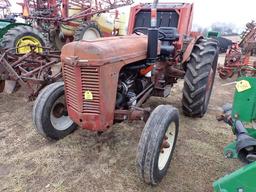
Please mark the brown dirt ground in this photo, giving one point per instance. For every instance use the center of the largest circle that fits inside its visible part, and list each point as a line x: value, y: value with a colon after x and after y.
x: 84, y: 162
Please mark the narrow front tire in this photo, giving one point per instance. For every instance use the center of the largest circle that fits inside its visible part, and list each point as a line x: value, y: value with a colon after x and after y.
x: 50, y: 115
x: 157, y: 144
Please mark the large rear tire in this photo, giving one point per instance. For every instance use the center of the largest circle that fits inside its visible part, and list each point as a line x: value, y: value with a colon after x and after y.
x: 157, y: 143
x: 87, y: 31
x: 50, y: 115
x: 199, y: 78
x: 20, y: 36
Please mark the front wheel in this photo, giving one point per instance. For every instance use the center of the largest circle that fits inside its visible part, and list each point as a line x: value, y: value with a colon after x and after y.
x: 157, y: 144
x: 50, y: 113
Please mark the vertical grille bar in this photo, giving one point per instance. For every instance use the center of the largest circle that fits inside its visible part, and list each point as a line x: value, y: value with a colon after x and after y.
x: 70, y: 87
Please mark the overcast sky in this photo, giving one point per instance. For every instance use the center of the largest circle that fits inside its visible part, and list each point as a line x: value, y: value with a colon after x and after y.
x: 206, y: 12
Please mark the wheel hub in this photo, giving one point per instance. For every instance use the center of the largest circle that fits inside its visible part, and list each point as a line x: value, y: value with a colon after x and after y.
x: 166, y: 146
x: 59, y: 116
x: 59, y: 110
x: 91, y: 34
x: 24, y: 42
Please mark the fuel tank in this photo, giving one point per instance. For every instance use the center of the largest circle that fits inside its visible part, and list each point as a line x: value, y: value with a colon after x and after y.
x: 91, y: 72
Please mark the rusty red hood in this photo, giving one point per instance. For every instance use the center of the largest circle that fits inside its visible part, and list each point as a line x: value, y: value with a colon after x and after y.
x: 106, y: 50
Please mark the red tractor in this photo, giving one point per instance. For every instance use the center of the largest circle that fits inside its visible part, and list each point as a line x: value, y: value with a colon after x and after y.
x: 107, y: 80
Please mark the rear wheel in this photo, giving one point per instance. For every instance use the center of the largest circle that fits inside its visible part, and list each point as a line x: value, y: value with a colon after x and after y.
x: 50, y: 113
x: 199, y: 78
x: 21, y: 36
x: 87, y: 31
x: 157, y: 144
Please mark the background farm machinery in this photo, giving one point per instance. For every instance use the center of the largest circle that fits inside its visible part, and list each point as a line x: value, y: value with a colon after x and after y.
x: 4, y: 8
x: 240, y: 57
x: 241, y: 117
x: 32, y: 71
x: 28, y: 58
x: 67, y: 20
x: 223, y: 42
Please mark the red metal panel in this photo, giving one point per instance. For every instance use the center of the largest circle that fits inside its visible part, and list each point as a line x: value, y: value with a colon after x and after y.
x: 70, y: 87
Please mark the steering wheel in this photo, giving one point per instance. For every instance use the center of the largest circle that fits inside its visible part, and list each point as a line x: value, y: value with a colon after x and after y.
x: 144, y: 30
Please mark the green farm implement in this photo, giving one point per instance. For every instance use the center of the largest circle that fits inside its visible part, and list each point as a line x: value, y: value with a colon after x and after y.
x: 241, y: 116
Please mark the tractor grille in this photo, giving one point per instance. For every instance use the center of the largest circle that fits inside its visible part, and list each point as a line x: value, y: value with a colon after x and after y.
x: 90, y: 82
x: 70, y: 87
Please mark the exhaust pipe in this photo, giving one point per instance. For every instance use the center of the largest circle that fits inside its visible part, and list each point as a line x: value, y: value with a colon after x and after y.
x: 153, y: 35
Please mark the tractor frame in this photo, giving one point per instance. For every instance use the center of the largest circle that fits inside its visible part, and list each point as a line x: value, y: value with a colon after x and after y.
x: 108, y: 80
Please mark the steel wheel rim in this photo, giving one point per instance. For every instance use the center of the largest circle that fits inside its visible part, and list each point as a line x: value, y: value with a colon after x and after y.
x: 60, y: 122
x: 22, y: 43
x: 91, y: 34
x: 166, y: 152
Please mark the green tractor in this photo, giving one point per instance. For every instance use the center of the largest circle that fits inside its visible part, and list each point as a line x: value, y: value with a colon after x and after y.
x: 211, y: 34
x: 17, y: 37
x: 241, y: 116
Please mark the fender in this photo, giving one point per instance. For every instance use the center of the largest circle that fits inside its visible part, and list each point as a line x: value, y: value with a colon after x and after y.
x: 6, y: 25
x: 189, y: 48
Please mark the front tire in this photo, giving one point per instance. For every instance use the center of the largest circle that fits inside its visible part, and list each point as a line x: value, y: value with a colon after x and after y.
x: 50, y: 114
x: 199, y: 78
x: 157, y: 144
